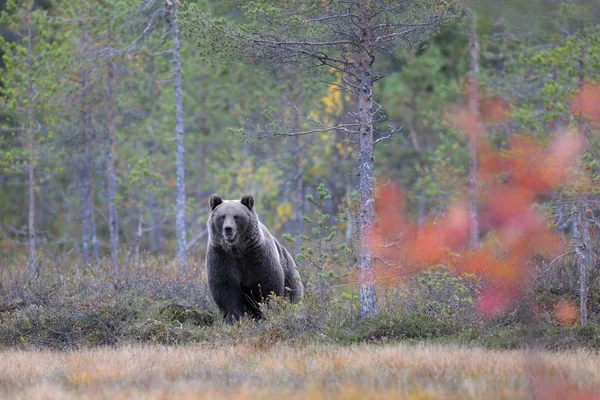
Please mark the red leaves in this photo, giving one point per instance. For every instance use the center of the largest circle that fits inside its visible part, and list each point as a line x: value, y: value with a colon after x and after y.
x: 528, y: 169
x: 494, y: 110
x: 587, y: 102
x: 566, y: 312
x: 493, y: 301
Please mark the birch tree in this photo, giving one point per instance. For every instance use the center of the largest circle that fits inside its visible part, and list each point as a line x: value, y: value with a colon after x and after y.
x: 111, y: 177
x: 171, y: 9
x: 475, y: 131
x: 344, y: 36
x: 86, y: 156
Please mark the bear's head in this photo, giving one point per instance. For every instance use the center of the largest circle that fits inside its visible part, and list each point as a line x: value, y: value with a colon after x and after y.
x: 232, y: 223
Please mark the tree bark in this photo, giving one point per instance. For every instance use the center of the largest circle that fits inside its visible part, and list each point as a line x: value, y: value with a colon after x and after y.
x: 298, y: 170
x: 88, y: 224
x: 30, y: 154
x: 31, y: 217
x: 366, y: 262
x: 111, y: 184
x: 90, y: 197
x: 138, y: 240
x: 584, y: 243
x: 474, y: 110
x: 581, y: 234
x: 155, y: 235
x: 171, y: 6
x: 299, y: 195
x: 85, y: 220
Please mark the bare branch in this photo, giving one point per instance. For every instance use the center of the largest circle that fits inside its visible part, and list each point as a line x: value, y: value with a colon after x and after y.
x: 342, y: 127
x: 387, y: 137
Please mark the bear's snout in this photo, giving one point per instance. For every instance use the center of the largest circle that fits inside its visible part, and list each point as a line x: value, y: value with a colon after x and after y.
x: 229, y: 233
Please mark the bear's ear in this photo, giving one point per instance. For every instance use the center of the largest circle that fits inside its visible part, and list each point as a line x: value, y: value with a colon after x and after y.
x: 248, y: 201
x: 214, y: 201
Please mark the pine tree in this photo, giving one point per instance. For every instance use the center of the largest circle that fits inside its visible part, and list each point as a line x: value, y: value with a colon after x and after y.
x: 346, y: 37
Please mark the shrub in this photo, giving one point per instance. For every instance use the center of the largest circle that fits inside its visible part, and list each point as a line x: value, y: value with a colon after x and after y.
x: 388, y: 327
x: 439, y: 294
x: 154, y: 305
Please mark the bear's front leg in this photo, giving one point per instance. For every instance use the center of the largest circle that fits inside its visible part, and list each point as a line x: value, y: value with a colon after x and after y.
x: 228, y: 296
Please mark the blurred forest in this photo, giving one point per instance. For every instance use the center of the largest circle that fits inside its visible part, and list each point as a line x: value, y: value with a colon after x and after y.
x: 93, y: 122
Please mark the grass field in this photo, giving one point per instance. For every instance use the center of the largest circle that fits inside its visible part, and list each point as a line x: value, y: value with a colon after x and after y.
x: 242, y: 372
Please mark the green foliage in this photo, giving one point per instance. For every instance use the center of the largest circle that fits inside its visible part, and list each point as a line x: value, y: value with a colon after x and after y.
x: 506, y: 337
x: 388, y: 327
x: 440, y: 294
x: 81, y: 321
x: 429, y: 158
x: 320, y: 249
x: 152, y: 305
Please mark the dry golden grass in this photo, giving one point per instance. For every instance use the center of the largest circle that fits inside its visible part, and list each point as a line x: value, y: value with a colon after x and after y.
x: 242, y: 372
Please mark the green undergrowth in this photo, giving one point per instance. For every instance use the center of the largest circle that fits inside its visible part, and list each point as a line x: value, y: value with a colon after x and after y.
x: 85, y: 309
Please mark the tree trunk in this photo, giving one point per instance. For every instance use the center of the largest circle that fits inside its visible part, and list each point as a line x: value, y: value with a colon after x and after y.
x: 474, y: 110
x: 90, y: 197
x: 30, y: 154
x: 366, y: 262
x: 299, y: 195
x: 179, y: 134
x: 111, y: 184
x: 31, y: 184
x: 586, y: 253
x: 138, y: 240
x: 88, y: 223
x: 85, y: 219
x: 349, y: 214
x: 155, y: 234
x: 581, y: 235
x: 298, y: 168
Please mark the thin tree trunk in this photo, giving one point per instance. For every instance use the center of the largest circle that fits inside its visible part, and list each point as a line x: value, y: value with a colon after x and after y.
x: 412, y: 128
x: 93, y: 235
x: 474, y: 110
x: 179, y: 135
x: 350, y: 213
x: 584, y: 267
x: 299, y: 195
x: 299, y: 170
x: 85, y: 220
x: 31, y: 218
x: 366, y: 262
x: 155, y: 235
x: 581, y: 236
x: 138, y: 240
x: 584, y: 250
x: 31, y: 155
x: 111, y: 184
x: 88, y: 224
x: 86, y: 173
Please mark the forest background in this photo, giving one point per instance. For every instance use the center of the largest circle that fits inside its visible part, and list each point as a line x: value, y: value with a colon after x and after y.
x: 119, y: 119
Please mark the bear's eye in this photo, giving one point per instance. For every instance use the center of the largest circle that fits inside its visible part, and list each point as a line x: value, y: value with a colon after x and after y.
x: 236, y: 217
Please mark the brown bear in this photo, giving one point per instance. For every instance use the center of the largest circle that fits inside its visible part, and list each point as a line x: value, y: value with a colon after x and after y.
x: 244, y: 262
